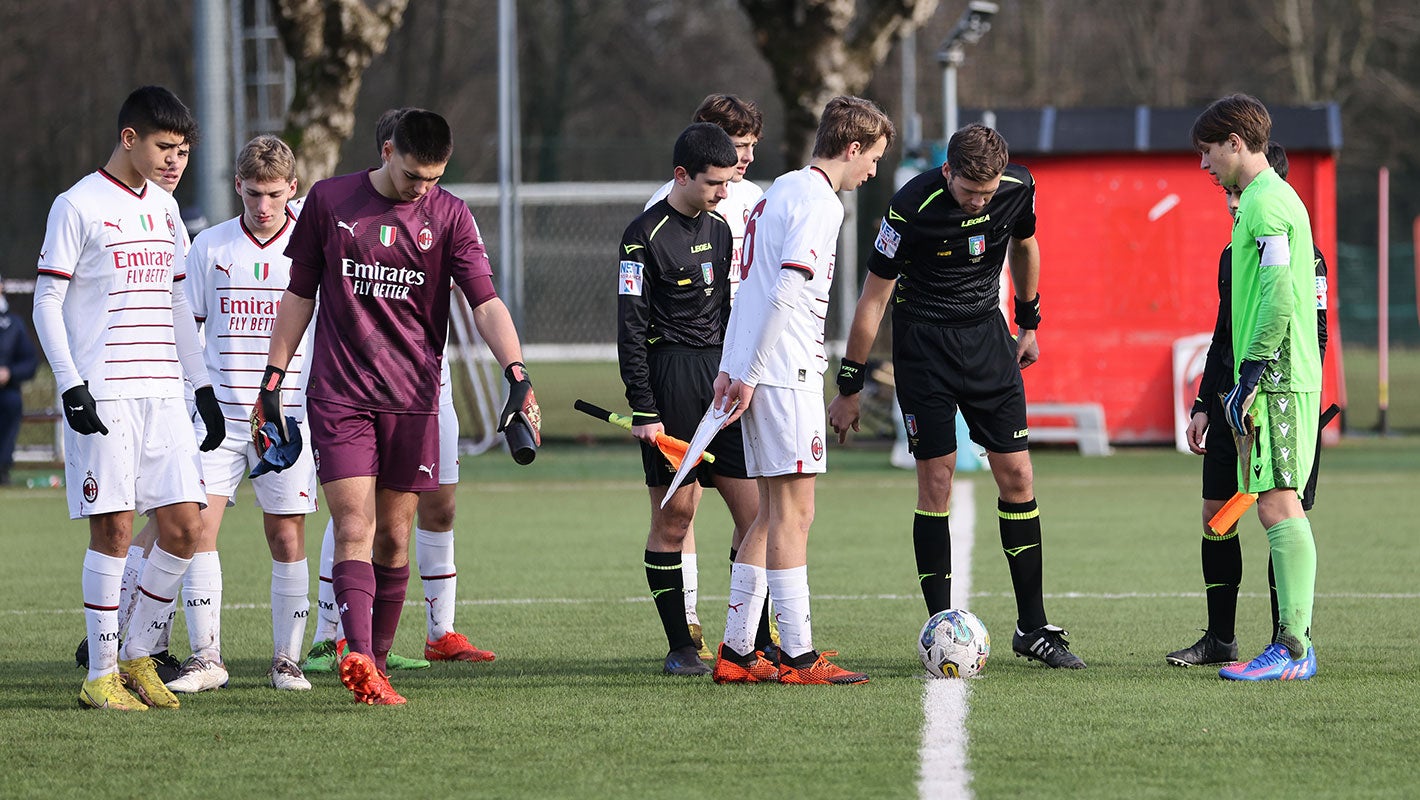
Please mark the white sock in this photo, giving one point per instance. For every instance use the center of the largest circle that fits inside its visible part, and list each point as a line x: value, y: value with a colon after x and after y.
x: 748, y: 588
x: 102, y: 577
x: 434, y: 554
x: 290, y: 605
x: 132, y: 568
x: 202, y: 605
x: 157, y: 587
x: 327, y: 618
x: 690, y: 574
x: 789, y: 588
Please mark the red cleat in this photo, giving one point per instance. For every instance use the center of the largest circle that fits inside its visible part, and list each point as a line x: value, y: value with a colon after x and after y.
x: 371, y: 687
x: 455, y: 647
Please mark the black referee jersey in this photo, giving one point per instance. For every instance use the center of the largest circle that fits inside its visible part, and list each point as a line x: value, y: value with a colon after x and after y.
x: 674, y: 288
x: 947, y: 263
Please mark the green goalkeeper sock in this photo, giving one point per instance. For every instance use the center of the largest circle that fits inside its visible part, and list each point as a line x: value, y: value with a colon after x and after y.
x: 1294, y: 562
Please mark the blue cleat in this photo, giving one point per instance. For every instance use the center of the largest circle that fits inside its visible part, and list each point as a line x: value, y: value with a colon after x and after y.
x: 1274, y: 664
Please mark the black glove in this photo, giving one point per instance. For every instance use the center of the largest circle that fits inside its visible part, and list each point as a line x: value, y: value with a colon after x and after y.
x: 1237, y: 402
x: 851, y: 376
x: 211, y: 412
x: 521, y: 411
x: 268, y: 409
x: 1027, y: 312
x: 81, y: 412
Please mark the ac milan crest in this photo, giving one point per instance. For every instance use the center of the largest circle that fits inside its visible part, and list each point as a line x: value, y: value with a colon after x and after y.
x: 425, y: 239
x: 91, y: 488
x: 816, y: 448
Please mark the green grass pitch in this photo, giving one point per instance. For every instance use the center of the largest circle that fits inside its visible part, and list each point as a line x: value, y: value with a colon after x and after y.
x: 550, y: 577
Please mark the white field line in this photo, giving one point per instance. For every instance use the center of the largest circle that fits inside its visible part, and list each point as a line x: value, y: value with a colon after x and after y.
x: 852, y: 598
x: 943, y: 768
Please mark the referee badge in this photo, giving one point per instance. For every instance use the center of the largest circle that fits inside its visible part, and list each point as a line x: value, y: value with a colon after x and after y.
x: 910, y: 422
x: 976, y: 245
x: 707, y: 271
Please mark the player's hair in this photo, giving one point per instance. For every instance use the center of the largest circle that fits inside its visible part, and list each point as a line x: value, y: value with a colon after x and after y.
x: 735, y: 116
x: 1242, y: 114
x: 1277, y: 159
x: 266, y: 158
x: 423, y: 136
x: 704, y: 145
x: 154, y: 109
x: 847, y: 120
x: 384, y: 126
x: 977, y: 153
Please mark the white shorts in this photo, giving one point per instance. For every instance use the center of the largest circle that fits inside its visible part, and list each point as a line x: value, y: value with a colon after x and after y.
x: 448, y: 434
x: 290, y: 491
x: 148, y: 459
x: 783, y: 432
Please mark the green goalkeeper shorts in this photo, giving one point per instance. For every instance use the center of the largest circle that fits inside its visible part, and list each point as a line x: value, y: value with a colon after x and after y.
x: 1286, y: 441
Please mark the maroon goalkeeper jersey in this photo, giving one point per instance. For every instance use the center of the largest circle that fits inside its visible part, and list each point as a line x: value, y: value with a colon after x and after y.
x: 383, y: 270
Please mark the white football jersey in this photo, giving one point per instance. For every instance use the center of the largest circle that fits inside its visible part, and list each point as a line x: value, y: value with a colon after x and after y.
x: 234, y: 285
x: 735, y: 210
x: 793, y: 226
x: 121, y: 251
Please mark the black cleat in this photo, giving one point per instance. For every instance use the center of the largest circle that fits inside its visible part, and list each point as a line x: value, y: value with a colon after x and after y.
x: 1047, y: 645
x: 1207, y: 650
x: 81, y: 654
x: 685, y: 661
x: 168, y: 667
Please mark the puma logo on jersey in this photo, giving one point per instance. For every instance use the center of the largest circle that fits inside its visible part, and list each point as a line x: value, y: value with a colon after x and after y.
x: 350, y: 227
x: 225, y: 270
x: 115, y: 225
x: 735, y: 607
x: 429, y: 469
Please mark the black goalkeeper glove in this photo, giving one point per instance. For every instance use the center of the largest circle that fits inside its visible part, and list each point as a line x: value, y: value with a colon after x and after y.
x: 268, y: 409
x: 81, y: 412
x: 211, y: 412
x: 851, y: 376
x: 521, y: 420
x: 1237, y: 402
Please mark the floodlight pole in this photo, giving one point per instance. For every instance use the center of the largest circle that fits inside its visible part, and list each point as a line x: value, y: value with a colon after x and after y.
x: 974, y: 23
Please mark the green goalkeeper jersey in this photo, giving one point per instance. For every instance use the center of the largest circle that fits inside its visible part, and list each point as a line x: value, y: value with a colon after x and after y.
x: 1274, y: 287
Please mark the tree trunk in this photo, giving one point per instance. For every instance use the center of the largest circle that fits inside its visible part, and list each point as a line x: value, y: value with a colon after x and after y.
x: 331, y: 43
x: 818, y: 49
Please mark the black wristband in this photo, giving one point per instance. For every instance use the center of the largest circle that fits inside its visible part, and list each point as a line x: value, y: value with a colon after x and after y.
x: 1028, y: 313
x: 271, y: 381
x: 851, y: 376
x: 516, y: 376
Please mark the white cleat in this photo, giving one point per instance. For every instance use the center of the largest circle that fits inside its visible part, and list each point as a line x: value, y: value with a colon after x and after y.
x: 287, y: 676
x: 199, y: 675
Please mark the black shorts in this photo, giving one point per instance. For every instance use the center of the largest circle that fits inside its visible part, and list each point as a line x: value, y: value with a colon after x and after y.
x: 1220, y: 463
x: 939, y: 369
x: 682, y: 381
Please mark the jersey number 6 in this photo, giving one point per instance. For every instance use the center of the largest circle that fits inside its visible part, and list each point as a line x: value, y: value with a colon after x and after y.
x: 748, y: 257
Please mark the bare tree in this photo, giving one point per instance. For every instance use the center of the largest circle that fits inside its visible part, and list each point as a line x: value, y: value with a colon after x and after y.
x: 1325, y: 44
x: 331, y: 43
x: 817, y: 49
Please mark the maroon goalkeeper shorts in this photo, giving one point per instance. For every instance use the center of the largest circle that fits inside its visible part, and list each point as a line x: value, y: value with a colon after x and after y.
x: 400, y: 450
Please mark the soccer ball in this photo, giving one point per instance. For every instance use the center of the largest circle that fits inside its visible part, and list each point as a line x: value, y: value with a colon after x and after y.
x: 954, y: 644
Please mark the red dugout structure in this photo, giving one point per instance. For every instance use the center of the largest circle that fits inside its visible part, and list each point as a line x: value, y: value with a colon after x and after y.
x: 1130, y: 233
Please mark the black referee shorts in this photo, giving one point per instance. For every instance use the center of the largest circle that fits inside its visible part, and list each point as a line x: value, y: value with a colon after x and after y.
x: 939, y: 369
x: 682, y: 381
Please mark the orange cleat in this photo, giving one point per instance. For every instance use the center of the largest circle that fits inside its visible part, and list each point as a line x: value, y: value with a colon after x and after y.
x: 454, y: 646
x: 730, y: 667
x: 821, y: 671
x: 371, y: 687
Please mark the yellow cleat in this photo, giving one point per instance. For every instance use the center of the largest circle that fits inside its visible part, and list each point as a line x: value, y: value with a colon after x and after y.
x: 107, y: 692
x: 141, y: 676
x: 697, y: 638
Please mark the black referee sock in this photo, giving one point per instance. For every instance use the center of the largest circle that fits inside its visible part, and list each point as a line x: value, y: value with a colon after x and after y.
x: 1020, y: 538
x: 1272, y: 587
x: 667, y: 584
x: 932, y: 543
x: 1222, y: 572
x: 762, y: 639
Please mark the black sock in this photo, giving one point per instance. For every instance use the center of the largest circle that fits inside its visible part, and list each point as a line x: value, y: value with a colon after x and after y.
x: 1272, y: 588
x: 932, y: 543
x: 667, y: 584
x: 1020, y: 538
x: 1222, y: 572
